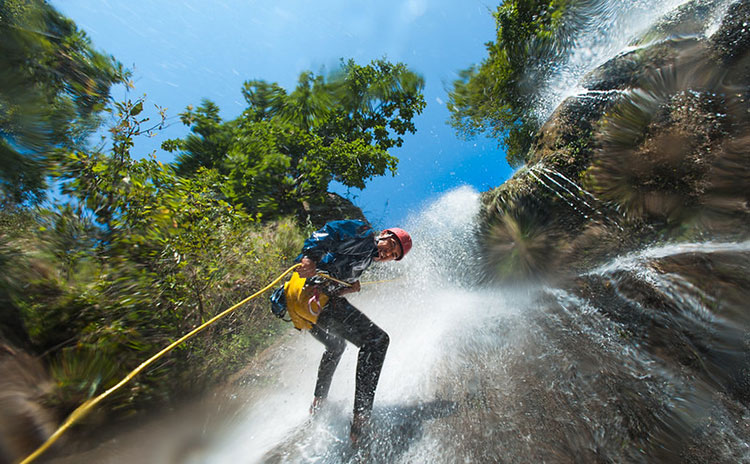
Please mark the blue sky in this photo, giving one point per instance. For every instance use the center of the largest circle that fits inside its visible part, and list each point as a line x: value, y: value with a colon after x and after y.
x: 184, y: 51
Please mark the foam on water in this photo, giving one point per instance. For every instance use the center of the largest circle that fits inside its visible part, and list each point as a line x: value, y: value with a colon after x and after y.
x: 603, y: 32
x: 421, y: 310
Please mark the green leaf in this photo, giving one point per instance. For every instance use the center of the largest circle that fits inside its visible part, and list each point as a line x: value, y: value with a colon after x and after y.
x: 136, y: 110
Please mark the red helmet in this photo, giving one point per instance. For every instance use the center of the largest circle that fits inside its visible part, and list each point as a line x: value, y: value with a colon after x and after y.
x: 404, y: 239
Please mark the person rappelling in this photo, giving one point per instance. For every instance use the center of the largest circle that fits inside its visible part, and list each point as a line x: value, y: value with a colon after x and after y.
x: 331, y: 262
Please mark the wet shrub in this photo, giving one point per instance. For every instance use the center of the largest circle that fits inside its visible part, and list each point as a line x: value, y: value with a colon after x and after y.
x: 97, y: 318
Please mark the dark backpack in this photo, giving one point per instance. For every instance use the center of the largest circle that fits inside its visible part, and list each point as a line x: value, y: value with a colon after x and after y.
x: 278, y: 302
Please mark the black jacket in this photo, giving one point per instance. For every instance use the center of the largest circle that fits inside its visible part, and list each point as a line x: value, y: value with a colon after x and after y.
x: 343, y: 249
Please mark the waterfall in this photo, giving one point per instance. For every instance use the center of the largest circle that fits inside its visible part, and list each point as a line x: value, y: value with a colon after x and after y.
x: 597, y: 31
x: 645, y: 358
x: 534, y: 373
x: 421, y: 303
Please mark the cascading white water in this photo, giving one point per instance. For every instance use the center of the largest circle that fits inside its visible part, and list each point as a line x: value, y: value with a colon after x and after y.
x: 633, y: 363
x: 601, y: 31
x: 428, y: 301
x: 501, y: 374
x: 475, y: 374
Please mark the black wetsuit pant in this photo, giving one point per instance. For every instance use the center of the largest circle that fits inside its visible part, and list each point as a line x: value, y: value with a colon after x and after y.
x: 340, y: 321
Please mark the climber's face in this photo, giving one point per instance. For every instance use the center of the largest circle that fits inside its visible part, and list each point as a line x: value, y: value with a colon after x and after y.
x: 388, y: 247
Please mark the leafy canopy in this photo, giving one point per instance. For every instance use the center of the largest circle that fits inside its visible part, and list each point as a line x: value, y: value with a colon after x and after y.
x: 496, y: 97
x: 139, y: 256
x: 286, y: 147
x: 52, y: 87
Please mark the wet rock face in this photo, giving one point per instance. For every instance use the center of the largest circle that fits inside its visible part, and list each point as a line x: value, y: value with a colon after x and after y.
x: 335, y: 207
x: 655, y: 150
x: 642, y: 360
x: 25, y: 423
x: 686, y: 309
x: 732, y: 39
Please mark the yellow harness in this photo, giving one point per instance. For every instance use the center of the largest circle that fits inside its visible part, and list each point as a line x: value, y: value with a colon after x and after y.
x: 303, y: 303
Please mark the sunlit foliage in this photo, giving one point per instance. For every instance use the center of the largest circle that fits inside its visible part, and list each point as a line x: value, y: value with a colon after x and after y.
x: 287, y: 147
x: 134, y: 255
x: 143, y: 257
x: 53, y: 85
x: 137, y: 252
x: 496, y: 97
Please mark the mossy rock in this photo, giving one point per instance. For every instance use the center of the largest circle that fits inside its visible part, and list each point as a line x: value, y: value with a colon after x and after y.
x: 653, y: 151
x: 334, y: 207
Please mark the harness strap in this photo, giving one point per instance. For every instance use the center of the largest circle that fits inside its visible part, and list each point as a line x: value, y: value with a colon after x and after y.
x: 314, y: 299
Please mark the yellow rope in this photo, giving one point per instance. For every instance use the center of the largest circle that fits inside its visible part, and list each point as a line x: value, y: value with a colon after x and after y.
x: 326, y: 276
x: 83, y: 409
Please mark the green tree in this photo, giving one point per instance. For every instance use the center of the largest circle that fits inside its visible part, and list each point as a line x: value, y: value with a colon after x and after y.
x: 496, y: 97
x: 264, y: 100
x: 208, y: 143
x: 142, y: 254
x: 145, y: 256
x: 286, y: 148
x: 53, y: 86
